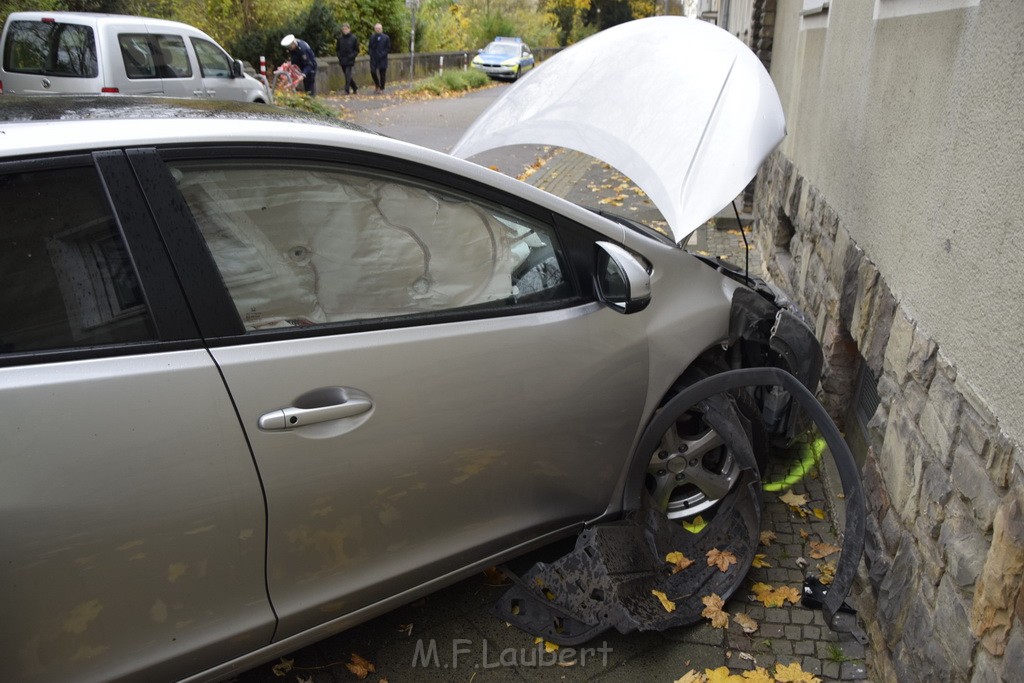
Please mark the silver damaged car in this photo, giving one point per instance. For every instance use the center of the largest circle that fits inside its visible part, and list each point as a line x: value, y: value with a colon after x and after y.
x: 263, y: 378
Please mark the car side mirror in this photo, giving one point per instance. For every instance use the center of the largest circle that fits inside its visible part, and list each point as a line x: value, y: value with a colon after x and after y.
x: 623, y: 279
x: 236, y: 68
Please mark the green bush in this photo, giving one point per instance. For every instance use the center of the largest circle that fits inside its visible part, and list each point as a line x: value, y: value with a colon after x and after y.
x: 304, y: 102
x: 455, y: 80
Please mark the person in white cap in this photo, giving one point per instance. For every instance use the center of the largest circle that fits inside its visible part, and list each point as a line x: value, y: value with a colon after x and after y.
x: 303, y: 57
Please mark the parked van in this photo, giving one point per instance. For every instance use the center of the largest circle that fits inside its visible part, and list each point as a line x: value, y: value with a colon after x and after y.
x: 46, y: 53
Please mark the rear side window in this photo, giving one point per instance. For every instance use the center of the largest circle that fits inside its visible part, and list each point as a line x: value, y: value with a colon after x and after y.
x: 154, y: 56
x: 67, y: 280
x: 50, y: 48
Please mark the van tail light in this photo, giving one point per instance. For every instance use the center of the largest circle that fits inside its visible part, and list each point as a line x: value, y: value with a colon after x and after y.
x: 1, y: 87
x: 114, y: 90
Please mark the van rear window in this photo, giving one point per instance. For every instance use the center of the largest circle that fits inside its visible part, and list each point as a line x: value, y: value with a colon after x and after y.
x: 51, y: 49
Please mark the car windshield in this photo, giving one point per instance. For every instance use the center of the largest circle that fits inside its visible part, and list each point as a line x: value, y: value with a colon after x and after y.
x: 506, y: 49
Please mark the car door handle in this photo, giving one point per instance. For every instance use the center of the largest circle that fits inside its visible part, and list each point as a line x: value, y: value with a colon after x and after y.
x: 294, y: 417
x: 198, y: 93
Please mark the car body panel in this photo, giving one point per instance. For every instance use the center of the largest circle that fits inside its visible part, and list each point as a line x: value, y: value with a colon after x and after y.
x: 133, y: 525
x: 691, y: 133
x: 506, y: 432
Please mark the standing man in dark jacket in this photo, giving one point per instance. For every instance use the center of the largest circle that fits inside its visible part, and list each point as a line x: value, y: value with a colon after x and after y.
x: 303, y: 57
x: 347, y: 49
x: 380, y: 46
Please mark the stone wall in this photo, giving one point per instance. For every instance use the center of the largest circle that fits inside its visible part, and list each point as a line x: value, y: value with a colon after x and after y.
x: 940, y: 587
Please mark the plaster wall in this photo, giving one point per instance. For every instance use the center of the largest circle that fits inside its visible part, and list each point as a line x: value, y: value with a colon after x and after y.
x: 912, y: 127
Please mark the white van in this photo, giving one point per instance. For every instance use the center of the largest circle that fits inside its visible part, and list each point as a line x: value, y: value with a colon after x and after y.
x: 43, y: 53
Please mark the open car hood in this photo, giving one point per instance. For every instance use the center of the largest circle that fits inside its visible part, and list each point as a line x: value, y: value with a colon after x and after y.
x: 682, y: 107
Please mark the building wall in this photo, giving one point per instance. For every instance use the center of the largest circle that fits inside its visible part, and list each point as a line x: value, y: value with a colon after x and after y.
x: 891, y: 214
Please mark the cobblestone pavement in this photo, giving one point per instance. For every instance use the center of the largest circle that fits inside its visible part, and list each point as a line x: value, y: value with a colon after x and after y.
x: 451, y: 634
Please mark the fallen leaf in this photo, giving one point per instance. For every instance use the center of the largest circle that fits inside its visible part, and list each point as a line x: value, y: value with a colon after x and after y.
x: 747, y: 656
x: 746, y: 622
x: 760, y: 560
x: 283, y: 667
x: 303, y: 679
x: 793, y: 499
x: 826, y: 572
x: 692, y: 677
x: 804, y: 535
x: 665, y: 602
x: 679, y: 561
x: 758, y: 675
x: 713, y: 611
x: 775, y: 597
x: 767, y: 538
x: 405, y: 628
x: 494, y: 577
x: 821, y: 550
x: 548, y: 647
x: 360, y: 667
x: 793, y: 673
x: 819, y: 513
x: 696, y: 526
x: 721, y: 559
x: 720, y: 675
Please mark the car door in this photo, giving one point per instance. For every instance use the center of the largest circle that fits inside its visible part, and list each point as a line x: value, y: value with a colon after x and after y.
x: 215, y: 66
x: 422, y: 374
x: 132, y: 535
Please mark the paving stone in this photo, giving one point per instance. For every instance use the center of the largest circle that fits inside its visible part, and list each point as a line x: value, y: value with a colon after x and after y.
x: 803, y: 647
x: 812, y: 632
x: 777, y: 615
x: 793, y: 632
x: 782, y: 647
x: 812, y: 665
x: 830, y: 669
x: 800, y: 615
x: 853, y: 671
x: 771, y: 630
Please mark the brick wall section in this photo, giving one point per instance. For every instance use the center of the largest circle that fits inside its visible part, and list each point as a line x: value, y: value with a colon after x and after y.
x: 940, y: 588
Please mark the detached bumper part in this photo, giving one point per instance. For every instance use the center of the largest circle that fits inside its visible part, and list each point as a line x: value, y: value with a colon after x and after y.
x: 608, y: 578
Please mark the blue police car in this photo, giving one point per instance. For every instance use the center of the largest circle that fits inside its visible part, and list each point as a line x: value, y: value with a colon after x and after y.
x: 504, y: 58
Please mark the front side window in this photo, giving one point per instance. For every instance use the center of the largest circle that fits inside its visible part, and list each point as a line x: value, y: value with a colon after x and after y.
x: 51, y: 48
x: 213, y: 63
x: 67, y: 278
x: 154, y: 56
x: 306, y: 243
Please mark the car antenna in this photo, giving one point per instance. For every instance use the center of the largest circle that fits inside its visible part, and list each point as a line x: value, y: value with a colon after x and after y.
x: 746, y: 247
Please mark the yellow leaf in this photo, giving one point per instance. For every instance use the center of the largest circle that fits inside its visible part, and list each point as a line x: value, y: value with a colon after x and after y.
x: 775, y: 597
x: 793, y: 499
x: 793, y: 673
x: 283, y: 667
x: 360, y: 667
x: 494, y: 577
x: 548, y: 647
x: 691, y: 677
x: 827, y: 572
x: 819, y: 513
x: 767, y: 538
x: 713, y: 611
x: 758, y: 675
x: 720, y: 675
x: 746, y: 622
x: 696, y: 526
x: 760, y: 561
x: 721, y: 559
x: 678, y: 560
x: 821, y: 550
x: 665, y: 602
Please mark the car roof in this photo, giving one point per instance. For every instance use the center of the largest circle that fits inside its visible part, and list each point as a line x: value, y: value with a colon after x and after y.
x: 55, y: 124
x: 99, y: 18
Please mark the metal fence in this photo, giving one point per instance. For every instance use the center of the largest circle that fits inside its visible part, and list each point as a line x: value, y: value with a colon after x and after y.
x: 401, y: 67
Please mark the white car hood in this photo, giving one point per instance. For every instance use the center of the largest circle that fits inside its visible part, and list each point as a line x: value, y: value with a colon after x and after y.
x: 682, y: 107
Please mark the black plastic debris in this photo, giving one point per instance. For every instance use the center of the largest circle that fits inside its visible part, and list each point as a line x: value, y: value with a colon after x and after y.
x: 608, y: 580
